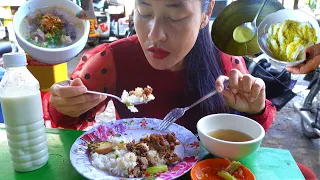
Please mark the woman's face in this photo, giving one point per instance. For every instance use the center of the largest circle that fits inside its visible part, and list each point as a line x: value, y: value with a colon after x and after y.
x: 167, y: 30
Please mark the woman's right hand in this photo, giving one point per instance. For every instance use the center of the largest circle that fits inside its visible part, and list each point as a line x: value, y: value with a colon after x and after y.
x: 73, y: 100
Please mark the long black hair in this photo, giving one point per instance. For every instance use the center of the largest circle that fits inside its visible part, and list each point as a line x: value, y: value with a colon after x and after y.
x: 203, y: 66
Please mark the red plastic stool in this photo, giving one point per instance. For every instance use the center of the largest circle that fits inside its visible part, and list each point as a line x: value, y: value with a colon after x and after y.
x: 307, y: 172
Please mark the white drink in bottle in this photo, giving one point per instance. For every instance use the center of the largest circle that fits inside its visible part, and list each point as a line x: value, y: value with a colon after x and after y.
x: 23, y: 116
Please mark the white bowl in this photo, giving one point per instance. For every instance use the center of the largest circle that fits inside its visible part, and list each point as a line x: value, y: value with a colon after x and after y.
x: 228, y: 149
x: 279, y: 17
x: 49, y: 55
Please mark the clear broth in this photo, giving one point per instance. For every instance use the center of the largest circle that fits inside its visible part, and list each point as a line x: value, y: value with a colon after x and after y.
x: 230, y: 135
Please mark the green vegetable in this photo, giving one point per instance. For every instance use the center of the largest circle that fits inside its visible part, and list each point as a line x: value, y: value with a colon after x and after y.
x: 233, y: 166
x: 54, y: 39
x: 157, y: 169
x: 225, y: 175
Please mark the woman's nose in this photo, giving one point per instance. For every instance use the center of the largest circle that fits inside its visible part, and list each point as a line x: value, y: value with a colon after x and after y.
x: 157, y: 32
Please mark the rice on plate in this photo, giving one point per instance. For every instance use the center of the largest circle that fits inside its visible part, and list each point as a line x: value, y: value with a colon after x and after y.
x: 117, y: 161
x: 127, y: 158
x: 114, y: 134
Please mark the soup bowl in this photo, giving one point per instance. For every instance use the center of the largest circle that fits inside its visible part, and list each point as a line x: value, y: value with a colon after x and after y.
x: 50, y: 55
x: 229, y: 149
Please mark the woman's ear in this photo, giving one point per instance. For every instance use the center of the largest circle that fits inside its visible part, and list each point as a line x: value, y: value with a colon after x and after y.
x: 207, y: 15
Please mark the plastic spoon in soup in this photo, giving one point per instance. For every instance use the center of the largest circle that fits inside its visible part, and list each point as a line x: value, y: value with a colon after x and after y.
x: 248, y: 30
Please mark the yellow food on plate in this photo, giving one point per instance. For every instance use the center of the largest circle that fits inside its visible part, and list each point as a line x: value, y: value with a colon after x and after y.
x: 288, y: 40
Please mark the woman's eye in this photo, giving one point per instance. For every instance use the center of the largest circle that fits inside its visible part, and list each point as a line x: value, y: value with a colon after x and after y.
x: 145, y: 15
x: 174, y: 19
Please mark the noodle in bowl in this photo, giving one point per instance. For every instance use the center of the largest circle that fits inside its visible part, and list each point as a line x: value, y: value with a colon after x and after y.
x: 52, y: 55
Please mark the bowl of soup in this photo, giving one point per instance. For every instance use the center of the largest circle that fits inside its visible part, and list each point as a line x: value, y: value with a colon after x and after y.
x: 230, y: 136
x: 49, y: 31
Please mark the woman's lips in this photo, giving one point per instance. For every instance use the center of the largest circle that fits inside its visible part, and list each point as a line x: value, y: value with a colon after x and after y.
x: 158, y: 53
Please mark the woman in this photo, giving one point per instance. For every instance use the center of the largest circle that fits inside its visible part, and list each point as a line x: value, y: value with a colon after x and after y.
x: 313, y: 61
x: 174, y: 54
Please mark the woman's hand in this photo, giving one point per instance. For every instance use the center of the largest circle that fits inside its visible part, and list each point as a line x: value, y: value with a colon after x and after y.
x: 312, y: 62
x: 73, y: 100
x: 245, y: 93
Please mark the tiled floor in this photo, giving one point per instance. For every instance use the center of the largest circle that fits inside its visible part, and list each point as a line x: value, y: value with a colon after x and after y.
x: 285, y: 132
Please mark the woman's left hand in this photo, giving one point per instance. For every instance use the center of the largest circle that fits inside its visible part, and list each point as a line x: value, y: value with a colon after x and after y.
x: 245, y: 93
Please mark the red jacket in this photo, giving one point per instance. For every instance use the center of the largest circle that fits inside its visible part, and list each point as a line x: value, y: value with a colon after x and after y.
x: 122, y: 65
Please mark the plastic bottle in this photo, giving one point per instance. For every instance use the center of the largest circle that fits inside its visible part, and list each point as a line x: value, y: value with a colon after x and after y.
x: 22, y: 113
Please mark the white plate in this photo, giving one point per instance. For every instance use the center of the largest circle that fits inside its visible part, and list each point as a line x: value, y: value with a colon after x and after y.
x: 188, y: 150
x: 279, y: 17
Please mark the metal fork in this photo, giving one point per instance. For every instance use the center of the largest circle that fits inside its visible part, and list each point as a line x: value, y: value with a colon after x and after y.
x: 176, y: 113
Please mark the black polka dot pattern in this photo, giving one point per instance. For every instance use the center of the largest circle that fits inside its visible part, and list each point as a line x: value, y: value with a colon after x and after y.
x: 84, y: 58
x: 87, y: 76
x: 237, y: 61
x: 90, y: 120
x: 103, y: 53
x: 231, y: 59
x: 104, y: 71
x: 105, y: 90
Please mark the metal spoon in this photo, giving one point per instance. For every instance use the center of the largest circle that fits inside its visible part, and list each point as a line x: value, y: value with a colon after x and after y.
x: 117, y: 98
x: 249, y: 27
x: 68, y: 82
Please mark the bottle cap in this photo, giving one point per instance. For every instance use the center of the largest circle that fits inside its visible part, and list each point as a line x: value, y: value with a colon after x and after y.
x: 14, y: 60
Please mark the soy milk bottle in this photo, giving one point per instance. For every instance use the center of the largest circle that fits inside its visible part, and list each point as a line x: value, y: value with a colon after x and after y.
x: 23, y: 116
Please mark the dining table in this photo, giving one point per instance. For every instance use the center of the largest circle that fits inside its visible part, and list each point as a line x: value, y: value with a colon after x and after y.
x: 266, y: 163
